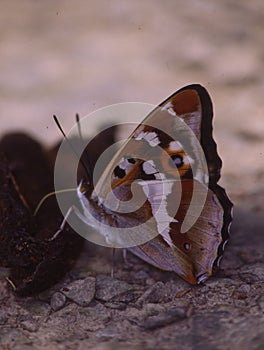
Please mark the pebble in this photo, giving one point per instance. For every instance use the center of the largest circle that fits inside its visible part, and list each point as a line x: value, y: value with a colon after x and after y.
x: 154, y: 294
x: 107, y: 288
x: 29, y: 325
x: 164, y: 318
x: 80, y: 292
x: 58, y: 300
x: 109, y: 332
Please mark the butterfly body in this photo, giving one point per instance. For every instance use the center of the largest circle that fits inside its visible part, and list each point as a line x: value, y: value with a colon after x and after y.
x: 159, y: 195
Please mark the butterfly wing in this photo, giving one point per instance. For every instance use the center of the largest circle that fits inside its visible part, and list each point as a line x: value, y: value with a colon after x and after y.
x: 172, y: 156
x: 195, y: 254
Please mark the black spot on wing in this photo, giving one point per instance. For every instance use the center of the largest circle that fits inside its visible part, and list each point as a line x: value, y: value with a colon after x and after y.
x: 120, y: 173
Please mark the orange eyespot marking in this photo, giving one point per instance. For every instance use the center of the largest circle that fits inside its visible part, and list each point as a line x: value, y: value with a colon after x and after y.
x: 178, y: 163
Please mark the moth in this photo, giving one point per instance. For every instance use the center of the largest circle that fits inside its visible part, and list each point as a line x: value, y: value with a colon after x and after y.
x: 159, y: 196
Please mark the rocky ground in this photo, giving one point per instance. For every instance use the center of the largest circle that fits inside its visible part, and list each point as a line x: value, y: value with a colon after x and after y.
x: 63, y: 58
x: 143, y: 308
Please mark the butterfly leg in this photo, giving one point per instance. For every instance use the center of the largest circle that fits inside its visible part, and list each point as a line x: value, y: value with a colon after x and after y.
x: 113, y: 262
x: 125, y: 255
x: 76, y: 211
x: 127, y: 264
x: 72, y: 208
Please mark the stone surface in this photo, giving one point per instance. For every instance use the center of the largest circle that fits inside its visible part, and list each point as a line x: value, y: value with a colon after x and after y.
x: 108, y: 288
x: 58, y: 300
x: 81, y: 291
x: 163, y: 319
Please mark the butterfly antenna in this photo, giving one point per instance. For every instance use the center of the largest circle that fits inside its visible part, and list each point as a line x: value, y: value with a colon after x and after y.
x: 59, y: 126
x: 85, y: 156
x: 79, y: 126
x: 86, y: 168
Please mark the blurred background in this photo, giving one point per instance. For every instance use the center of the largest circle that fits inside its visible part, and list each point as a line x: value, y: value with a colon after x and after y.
x: 63, y: 57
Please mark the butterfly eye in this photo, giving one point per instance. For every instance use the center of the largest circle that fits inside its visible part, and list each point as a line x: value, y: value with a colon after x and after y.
x: 187, y: 246
x: 177, y: 160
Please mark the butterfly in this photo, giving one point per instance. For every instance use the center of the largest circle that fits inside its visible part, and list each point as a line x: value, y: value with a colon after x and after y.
x: 159, y: 195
